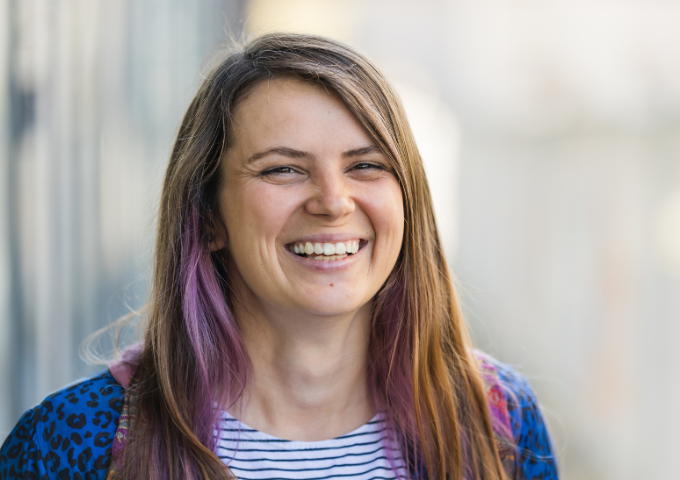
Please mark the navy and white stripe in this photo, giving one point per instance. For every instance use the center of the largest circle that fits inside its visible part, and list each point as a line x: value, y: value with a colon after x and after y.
x: 358, y: 455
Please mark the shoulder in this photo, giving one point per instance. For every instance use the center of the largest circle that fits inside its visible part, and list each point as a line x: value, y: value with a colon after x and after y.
x: 535, y: 454
x: 68, y: 435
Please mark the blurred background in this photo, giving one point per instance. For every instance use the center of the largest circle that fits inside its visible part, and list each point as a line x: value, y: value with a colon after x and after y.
x: 550, y: 129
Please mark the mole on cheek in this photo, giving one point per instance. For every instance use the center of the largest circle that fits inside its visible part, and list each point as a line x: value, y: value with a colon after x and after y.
x: 332, y: 285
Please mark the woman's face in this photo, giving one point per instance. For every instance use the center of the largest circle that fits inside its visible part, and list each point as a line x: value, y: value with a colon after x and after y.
x: 312, y: 208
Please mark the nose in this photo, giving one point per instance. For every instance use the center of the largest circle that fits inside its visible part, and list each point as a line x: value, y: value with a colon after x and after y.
x: 331, y: 196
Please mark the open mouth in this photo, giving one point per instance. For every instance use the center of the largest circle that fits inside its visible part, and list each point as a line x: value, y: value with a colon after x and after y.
x: 327, y: 252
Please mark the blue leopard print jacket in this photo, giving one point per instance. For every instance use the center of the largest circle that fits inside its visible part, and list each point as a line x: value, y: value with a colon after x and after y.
x: 70, y: 434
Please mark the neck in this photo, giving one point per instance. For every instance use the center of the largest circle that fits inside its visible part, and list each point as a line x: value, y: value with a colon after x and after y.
x: 308, y: 379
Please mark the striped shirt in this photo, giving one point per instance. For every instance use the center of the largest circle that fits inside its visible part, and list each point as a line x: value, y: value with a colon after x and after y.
x: 358, y: 455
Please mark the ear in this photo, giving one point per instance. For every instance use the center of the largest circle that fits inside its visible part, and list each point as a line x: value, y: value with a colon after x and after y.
x: 216, y: 238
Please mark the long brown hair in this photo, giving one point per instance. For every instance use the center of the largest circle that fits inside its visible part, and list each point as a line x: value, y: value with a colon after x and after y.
x: 422, y: 370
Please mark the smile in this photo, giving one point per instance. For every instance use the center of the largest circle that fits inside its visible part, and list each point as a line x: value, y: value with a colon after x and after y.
x: 326, y: 252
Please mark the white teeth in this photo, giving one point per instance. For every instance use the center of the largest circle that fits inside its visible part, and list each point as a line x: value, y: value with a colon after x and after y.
x: 327, y: 250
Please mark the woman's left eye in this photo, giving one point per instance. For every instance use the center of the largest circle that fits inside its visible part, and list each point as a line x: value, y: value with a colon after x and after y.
x: 367, y: 165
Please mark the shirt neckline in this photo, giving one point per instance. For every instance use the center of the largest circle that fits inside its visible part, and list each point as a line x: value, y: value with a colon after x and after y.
x: 249, y: 432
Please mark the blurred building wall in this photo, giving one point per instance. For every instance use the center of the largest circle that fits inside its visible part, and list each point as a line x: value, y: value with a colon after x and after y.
x: 564, y: 225
x: 91, y: 93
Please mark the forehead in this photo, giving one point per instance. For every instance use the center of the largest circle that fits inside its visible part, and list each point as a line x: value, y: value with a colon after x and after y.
x: 279, y: 87
x: 286, y: 107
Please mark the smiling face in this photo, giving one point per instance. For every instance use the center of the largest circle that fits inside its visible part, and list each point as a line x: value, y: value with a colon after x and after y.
x: 312, y: 208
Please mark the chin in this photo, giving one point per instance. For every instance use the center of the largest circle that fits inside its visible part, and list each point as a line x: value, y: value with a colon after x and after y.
x: 333, y: 305
x: 331, y: 310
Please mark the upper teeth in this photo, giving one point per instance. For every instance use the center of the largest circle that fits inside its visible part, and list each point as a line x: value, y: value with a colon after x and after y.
x: 328, y: 249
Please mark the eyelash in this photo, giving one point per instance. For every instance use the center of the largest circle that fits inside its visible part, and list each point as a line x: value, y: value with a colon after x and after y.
x: 277, y: 170
x: 363, y: 165
x: 369, y: 165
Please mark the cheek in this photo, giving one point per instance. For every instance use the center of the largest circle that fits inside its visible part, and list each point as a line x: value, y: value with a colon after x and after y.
x: 255, y: 215
x: 387, y: 215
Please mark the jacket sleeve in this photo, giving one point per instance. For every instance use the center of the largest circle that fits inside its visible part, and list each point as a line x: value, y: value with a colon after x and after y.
x: 69, y: 435
x: 21, y: 453
x: 535, y: 456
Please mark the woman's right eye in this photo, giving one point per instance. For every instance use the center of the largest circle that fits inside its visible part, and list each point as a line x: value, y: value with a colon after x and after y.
x: 278, y: 170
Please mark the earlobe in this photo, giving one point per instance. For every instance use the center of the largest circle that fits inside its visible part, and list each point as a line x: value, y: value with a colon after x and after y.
x: 214, y: 242
x: 216, y: 236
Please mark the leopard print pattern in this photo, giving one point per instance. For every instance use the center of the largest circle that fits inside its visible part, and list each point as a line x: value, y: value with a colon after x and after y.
x: 536, y: 458
x: 67, y: 436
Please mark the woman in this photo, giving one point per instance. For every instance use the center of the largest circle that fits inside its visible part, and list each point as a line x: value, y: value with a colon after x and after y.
x: 302, y: 322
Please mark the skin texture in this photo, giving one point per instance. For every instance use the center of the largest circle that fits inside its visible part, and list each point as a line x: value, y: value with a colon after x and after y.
x: 302, y: 167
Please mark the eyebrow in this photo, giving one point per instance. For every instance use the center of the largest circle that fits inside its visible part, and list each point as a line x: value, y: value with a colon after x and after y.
x: 283, y: 151
x: 359, y: 152
x: 292, y: 153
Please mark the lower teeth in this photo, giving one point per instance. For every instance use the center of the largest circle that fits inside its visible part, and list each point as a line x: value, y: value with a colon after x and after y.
x: 328, y: 258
